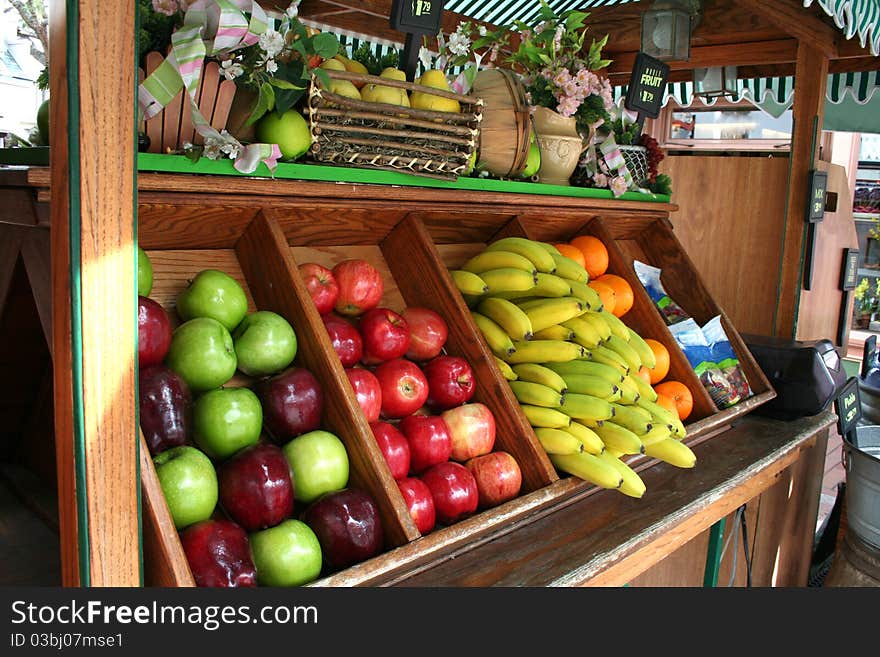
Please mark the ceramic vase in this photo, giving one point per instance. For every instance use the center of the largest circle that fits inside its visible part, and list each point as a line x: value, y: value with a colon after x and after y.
x: 560, y: 143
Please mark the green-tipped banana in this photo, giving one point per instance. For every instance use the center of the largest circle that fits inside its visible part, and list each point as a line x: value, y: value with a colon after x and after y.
x: 618, y: 437
x: 550, y: 285
x: 585, y: 333
x: 646, y: 391
x: 602, y: 354
x: 616, y: 324
x: 555, y: 332
x: 536, y: 373
x: 634, y: 418
x: 505, y: 369
x: 657, y: 433
x: 623, y: 348
x: 468, y: 283
x: 507, y: 279
x: 557, y: 441
x: 568, y: 268
x: 583, y: 406
x: 548, y: 247
x: 548, y: 312
x: 598, y: 321
x: 535, y: 394
x: 588, y: 367
x: 665, y: 416
x: 508, y: 316
x: 646, y: 354
x: 585, y: 293
x: 543, y: 416
x: 673, y: 452
x: 590, y: 439
x: 540, y: 257
x: 588, y: 467
x: 500, y: 343
x: 544, y: 351
x: 629, y: 391
x: 632, y: 485
x: 588, y: 384
x: 487, y: 260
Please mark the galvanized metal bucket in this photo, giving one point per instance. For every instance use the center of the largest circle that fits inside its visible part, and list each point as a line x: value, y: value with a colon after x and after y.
x: 862, y: 461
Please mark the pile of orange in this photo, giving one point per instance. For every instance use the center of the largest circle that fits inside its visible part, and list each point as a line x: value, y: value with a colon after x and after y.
x: 594, y: 252
x: 671, y: 394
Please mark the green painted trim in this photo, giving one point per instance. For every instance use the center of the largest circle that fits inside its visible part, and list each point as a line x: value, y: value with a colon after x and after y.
x: 74, y: 228
x: 713, y: 554
x: 318, y: 172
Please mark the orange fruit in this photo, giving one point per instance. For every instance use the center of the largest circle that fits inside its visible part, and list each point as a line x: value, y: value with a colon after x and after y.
x: 661, y: 358
x: 595, y: 254
x: 667, y: 402
x: 623, y: 293
x: 680, y: 394
x: 644, y: 374
x: 606, y: 294
x: 572, y: 252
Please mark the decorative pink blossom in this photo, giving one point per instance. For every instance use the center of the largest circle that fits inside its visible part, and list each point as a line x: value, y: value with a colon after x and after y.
x: 618, y: 185
x: 600, y: 180
x: 167, y: 7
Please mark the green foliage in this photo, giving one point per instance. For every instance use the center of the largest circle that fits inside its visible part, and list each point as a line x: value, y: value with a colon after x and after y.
x: 154, y: 29
x: 375, y: 65
x: 625, y: 133
x: 661, y: 185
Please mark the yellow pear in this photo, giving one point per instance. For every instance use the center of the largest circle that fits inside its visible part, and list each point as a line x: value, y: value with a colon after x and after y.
x: 435, y: 79
x: 345, y: 88
x: 377, y: 93
x: 332, y: 65
x: 353, y: 66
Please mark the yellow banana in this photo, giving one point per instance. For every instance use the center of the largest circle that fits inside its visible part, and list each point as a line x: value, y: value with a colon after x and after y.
x: 629, y: 391
x: 486, y: 260
x: 646, y: 355
x: 535, y: 394
x: 500, y: 343
x: 616, y: 324
x: 632, y: 485
x: 507, y: 279
x: 568, y: 268
x: 579, y: 406
x: 540, y: 257
x: 537, y: 373
x: 555, y: 332
x: 557, y: 441
x: 618, y: 437
x: 645, y: 389
x: 588, y: 367
x: 598, y: 321
x: 588, y: 467
x: 589, y: 384
x: 543, y: 351
x: 550, y: 311
x: 623, y: 348
x: 665, y: 416
x: 584, y: 332
x: 585, y: 293
x: 590, y: 423
x: 543, y: 416
x: 602, y: 354
x: 468, y: 283
x: 549, y: 248
x: 505, y: 369
x: 657, y: 433
x: 550, y: 285
x: 508, y: 316
x: 673, y: 452
x: 590, y: 439
x: 634, y: 418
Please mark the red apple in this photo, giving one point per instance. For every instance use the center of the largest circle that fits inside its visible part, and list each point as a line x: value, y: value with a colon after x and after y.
x: 385, y: 334
x: 498, y: 477
x: 393, y: 446
x: 429, y: 441
x: 472, y: 427
x: 347, y: 525
x: 360, y: 287
x: 345, y: 338
x: 367, y: 391
x: 321, y: 284
x: 218, y: 554
x: 419, y: 502
x: 428, y: 333
x: 154, y: 332
x: 292, y: 401
x: 451, y: 381
x: 256, y: 487
x: 453, y: 489
x: 165, y: 404
x: 404, y: 387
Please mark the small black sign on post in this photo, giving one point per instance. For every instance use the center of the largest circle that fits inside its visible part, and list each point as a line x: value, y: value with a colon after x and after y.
x: 647, y: 84
x: 848, y: 274
x: 815, y: 214
x: 848, y: 407
x: 416, y: 18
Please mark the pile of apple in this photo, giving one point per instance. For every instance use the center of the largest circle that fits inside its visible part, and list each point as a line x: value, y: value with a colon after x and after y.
x: 437, y: 442
x: 235, y: 462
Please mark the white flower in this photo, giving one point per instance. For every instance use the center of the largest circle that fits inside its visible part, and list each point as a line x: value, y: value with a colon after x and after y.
x: 231, y: 69
x: 459, y: 44
x: 212, y: 149
x: 271, y: 42
x: 167, y: 7
x: 293, y: 10
x: 425, y: 57
x: 271, y: 66
x: 481, y: 29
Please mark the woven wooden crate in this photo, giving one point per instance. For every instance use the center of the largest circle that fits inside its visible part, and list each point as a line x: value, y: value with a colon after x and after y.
x: 358, y: 133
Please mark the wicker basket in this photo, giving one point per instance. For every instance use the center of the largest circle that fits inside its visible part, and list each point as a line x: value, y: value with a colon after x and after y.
x: 356, y: 133
x: 636, y: 160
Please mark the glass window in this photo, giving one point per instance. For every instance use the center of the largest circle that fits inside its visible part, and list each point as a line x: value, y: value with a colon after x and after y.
x: 729, y: 124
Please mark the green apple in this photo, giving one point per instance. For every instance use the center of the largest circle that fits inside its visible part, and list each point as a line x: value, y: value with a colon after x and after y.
x: 265, y: 343
x: 202, y: 353
x: 145, y: 273
x: 319, y: 463
x: 226, y: 420
x: 533, y: 161
x: 213, y: 293
x: 287, y: 554
x: 188, y: 482
x: 290, y: 131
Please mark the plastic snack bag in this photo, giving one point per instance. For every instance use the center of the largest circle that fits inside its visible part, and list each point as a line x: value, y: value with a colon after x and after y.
x: 726, y: 358
x: 699, y: 353
x: 650, y: 277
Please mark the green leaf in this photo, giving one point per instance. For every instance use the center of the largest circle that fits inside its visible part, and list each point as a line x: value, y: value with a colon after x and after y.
x: 322, y: 76
x: 325, y: 44
x: 286, y: 99
x: 284, y: 84
x: 265, y: 100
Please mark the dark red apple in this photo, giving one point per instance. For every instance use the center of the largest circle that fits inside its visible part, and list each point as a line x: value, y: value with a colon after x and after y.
x: 385, y: 334
x: 345, y: 338
x: 428, y: 333
x: 419, y: 502
x: 367, y: 391
x: 451, y: 381
x: 404, y: 387
x: 498, y: 477
x: 165, y: 404
x: 394, y: 448
x: 360, y: 287
x: 347, y: 525
x: 321, y: 284
x: 472, y: 427
x: 292, y: 401
x: 154, y: 332
x: 256, y: 486
x: 429, y: 441
x: 453, y: 489
x: 219, y: 554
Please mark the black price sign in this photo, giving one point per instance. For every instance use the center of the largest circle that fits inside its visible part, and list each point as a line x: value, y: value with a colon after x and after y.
x: 848, y: 406
x: 849, y: 270
x: 419, y: 16
x: 816, y: 202
x: 646, y: 86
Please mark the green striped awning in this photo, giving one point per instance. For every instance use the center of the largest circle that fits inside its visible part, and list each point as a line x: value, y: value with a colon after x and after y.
x: 855, y: 17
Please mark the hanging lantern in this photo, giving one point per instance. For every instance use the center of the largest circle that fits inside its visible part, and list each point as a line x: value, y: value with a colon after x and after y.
x: 715, y: 82
x: 666, y: 29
